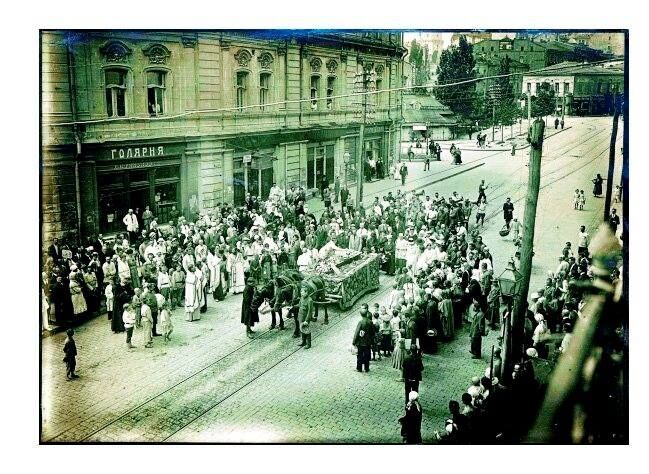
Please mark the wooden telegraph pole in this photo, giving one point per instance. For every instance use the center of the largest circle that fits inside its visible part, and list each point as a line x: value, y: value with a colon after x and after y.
x: 535, y: 138
x: 611, y: 160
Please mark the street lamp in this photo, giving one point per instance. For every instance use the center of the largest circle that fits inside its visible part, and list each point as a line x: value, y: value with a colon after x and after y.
x: 509, y: 283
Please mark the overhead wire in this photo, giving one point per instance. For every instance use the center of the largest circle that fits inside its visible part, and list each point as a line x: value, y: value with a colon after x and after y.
x: 357, y: 94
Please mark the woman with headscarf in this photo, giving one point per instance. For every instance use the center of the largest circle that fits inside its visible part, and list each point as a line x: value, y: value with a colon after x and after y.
x: 540, y: 333
x: 597, y: 188
x: 411, y: 421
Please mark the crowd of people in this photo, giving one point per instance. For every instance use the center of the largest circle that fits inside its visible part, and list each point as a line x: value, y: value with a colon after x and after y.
x: 444, y: 278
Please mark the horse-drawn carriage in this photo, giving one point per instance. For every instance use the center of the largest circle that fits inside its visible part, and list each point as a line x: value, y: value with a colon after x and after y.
x: 334, y: 280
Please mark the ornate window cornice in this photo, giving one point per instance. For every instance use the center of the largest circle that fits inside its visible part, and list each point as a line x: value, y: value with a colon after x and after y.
x: 115, y: 52
x: 243, y: 57
x: 332, y: 66
x: 316, y: 64
x: 379, y: 69
x: 265, y: 60
x: 157, y: 53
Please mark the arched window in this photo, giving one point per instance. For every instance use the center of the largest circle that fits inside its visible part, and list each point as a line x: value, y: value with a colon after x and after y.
x: 116, y: 89
x: 264, y: 89
x: 315, y: 88
x: 242, y: 89
x: 331, y: 91
x: 156, y: 82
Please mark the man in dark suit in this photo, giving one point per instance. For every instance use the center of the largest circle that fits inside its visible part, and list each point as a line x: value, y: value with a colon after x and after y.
x: 54, y: 250
x: 363, y: 338
x: 412, y: 369
x: 344, y: 195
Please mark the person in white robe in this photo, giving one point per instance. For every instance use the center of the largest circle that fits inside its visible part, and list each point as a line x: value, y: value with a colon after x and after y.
x: 236, y: 271
x: 192, y: 294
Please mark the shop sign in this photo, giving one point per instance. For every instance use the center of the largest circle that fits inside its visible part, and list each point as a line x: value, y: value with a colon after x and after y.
x: 137, y: 152
x: 247, y: 158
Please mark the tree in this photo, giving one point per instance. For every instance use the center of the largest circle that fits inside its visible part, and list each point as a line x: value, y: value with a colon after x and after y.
x: 457, y: 64
x: 543, y: 103
x: 507, y: 109
x: 416, y: 57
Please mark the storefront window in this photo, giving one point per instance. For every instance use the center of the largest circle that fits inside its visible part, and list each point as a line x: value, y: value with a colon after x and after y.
x: 119, y: 191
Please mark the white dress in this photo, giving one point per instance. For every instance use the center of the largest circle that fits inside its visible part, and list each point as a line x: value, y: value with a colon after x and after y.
x: 191, y: 297
x: 235, y: 268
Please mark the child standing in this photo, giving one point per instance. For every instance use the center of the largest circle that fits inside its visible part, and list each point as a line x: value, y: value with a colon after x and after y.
x: 177, y: 286
x: 165, y: 321
x: 386, y: 332
x: 576, y: 198
x: 108, y: 292
x: 70, y: 359
x: 582, y: 200
x: 399, y: 353
x: 164, y: 282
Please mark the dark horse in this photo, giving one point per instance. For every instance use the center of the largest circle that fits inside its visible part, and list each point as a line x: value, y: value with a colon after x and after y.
x: 316, y: 289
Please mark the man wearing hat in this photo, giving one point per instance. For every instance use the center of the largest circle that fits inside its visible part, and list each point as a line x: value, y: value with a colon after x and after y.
x: 508, y: 211
x: 477, y: 330
x: 305, y: 316
x: 363, y: 337
x: 70, y: 359
x: 412, y: 369
x: 249, y: 316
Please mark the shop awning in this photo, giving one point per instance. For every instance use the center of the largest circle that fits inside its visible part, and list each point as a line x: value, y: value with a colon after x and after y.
x: 419, y: 127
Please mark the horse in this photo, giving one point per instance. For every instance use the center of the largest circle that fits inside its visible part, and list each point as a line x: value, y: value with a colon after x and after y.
x: 316, y: 289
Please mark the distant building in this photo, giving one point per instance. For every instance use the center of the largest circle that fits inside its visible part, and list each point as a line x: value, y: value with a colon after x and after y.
x: 190, y: 120
x: 472, y: 37
x: 487, y: 66
x: 535, y: 54
x: 423, y: 113
x: 607, y: 42
x: 588, y: 89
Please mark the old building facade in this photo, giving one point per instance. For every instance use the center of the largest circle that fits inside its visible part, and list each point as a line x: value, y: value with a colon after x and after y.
x: 584, y: 89
x: 192, y: 119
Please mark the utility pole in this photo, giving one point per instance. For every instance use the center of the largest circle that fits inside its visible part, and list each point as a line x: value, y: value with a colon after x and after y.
x: 611, y: 159
x: 529, y: 110
x: 535, y: 138
x: 360, y: 161
x: 563, y: 106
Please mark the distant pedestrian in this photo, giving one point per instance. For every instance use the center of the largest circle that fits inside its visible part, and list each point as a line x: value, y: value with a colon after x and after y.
x: 70, y: 359
x: 515, y: 229
x: 411, y: 153
x: 411, y: 421
x: 478, y: 329
x: 166, y: 326
x: 583, y: 240
x: 412, y: 369
x: 482, y: 187
x: 614, y: 220
x: 582, y: 200
x: 344, y: 195
x: 481, y: 212
x: 556, y: 123
x: 336, y: 189
x: 427, y: 163
x: 508, y: 211
x: 146, y: 320
x: 513, y: 149
x: 576, y: 198
x: 618, y: 193
x: 363, y: 338
x: 562, y: 124
x: 403, y: 171
x: 597, y: 185
x: 128, y: 317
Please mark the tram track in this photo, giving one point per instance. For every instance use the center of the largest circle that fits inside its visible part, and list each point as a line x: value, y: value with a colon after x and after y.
x: 194, y: 387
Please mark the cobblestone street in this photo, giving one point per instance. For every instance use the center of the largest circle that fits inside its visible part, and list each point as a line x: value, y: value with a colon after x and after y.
x: 213, y: 384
